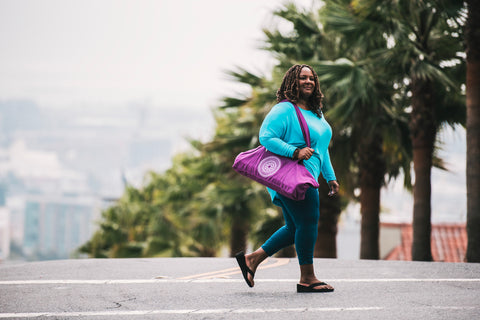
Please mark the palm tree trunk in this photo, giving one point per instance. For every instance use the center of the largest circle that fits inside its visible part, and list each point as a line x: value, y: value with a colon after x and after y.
x: 421, y: 248
x: 370, y: 211
x: 372, y: 171
x: 326, y: 245
x: 238, y: 237
x: 473, y: 130
x: 423, y: 131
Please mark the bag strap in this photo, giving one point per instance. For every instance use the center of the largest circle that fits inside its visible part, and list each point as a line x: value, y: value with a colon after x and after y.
x: 303, y: 123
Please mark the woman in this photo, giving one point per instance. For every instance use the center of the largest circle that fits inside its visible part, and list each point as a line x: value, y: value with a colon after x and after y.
x: 280, y: 133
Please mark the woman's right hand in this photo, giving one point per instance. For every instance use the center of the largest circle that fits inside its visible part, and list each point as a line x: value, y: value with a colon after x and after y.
x: 305, y: 153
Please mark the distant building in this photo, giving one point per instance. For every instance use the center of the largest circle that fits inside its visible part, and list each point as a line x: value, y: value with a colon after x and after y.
x: 449, y: 241
x: 4, y: 225
x: 4, y: 233
x: 56, y: 226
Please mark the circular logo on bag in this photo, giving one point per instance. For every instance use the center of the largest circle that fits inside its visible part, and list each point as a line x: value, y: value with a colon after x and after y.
x: 269, y: 166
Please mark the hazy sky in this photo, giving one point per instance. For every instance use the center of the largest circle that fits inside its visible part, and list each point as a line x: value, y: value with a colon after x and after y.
x: 165, y: 52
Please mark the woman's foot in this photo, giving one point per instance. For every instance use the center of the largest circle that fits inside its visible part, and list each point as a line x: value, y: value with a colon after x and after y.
x: 315, y: 287
x: 309, y: 280
x: 251, y: 262
x: 247, y: 273
x: 319, y: 285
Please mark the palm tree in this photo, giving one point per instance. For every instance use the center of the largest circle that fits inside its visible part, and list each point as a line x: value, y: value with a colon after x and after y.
x: 182, y: 225
x: 418, y: 37
x: 165, y: 217
x: 362, y: 90
x: 473, y: 130
x: 367, y: 116
x: 426, y: 33
x: 123, y: 229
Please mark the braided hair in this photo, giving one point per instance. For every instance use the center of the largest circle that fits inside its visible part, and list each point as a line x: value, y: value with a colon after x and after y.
x: 289, y: 89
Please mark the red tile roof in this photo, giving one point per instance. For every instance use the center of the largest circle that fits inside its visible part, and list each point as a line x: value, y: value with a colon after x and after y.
x: 449, y: 242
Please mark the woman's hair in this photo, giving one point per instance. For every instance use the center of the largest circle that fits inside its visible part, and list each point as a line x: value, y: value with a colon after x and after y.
x: 289, y: 89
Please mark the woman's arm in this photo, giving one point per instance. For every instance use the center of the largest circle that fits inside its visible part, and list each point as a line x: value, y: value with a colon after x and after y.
x: 329, y: 174
x: 327, y: 169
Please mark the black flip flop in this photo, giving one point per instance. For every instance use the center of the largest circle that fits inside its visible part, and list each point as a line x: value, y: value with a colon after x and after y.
x: 243, y: 266
x: 311, y: 288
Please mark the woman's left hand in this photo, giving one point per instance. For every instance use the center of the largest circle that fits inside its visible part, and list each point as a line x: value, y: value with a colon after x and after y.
x: 305, y: 153
x: 334, y: 187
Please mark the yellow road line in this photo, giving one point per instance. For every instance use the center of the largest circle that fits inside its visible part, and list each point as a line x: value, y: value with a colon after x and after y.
x: 230, y: 271
x: 206, y: 274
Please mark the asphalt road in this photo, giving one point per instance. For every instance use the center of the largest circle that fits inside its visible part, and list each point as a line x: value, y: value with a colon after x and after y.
x: 213, y: 288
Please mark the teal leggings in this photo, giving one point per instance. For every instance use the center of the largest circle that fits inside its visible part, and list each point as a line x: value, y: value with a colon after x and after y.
x: 301, y: 226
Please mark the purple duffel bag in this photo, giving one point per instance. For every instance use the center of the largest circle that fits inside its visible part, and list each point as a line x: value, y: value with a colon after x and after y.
x: 286, y: 176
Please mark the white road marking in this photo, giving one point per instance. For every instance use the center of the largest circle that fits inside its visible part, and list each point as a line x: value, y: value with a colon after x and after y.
x: 215, y: 280
x: 180, y: 311
x: 205, y: 311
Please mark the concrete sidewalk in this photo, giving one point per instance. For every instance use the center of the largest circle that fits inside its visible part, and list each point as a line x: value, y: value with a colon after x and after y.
x: 213, y: 288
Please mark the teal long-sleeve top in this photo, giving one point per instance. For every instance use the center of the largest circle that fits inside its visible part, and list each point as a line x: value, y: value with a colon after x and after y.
x: 281, y: 134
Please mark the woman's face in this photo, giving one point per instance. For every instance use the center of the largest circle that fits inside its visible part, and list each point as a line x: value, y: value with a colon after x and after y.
x: 306, y: 82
